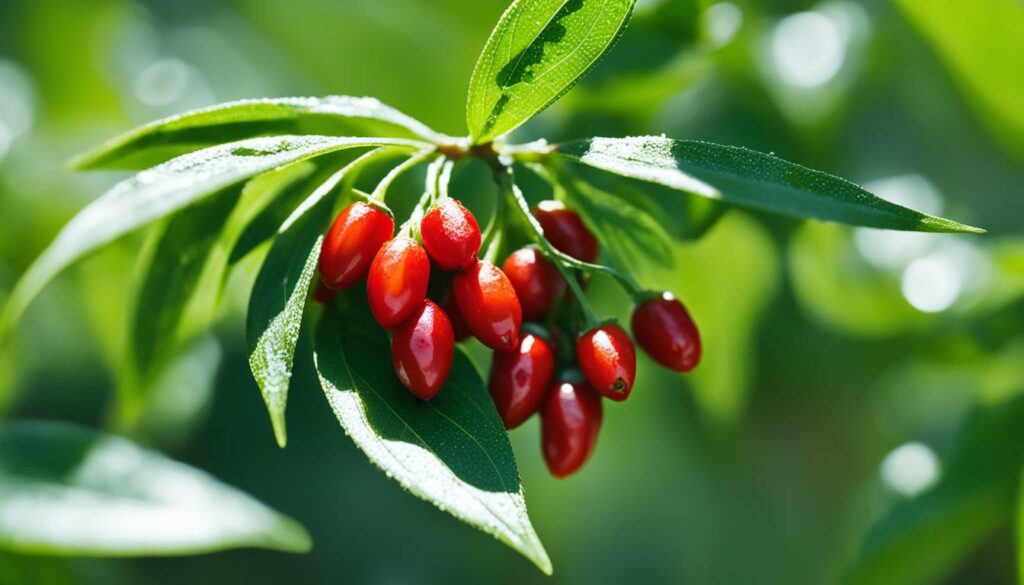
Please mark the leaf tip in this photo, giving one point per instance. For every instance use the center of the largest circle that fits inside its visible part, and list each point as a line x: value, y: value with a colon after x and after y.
x: 290, y: 536
x: 85, y: 161
x: 280, y: 435
x: 940, y: 224
x: 544, y: 564
x: 531, y: 547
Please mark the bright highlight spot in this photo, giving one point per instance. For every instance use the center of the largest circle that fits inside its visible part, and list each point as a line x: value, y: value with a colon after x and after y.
x: 892, y: 249
x: 16, y: 104
x: 162, y: 82
x: 6, y: 138
x: 910, y: 469
x: 931, y: 284
x: 955, y: 269
x: 721, y: 22
x: 808, y: 49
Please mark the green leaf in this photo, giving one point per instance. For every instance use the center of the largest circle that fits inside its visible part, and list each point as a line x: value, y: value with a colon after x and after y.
x: 276, y: 304
x: 273, y: 194
x: 750, y: 179
x: 683, y: 218
x: 279, y: 294
x: 626, y: 232
x: 174, y: 266
x: 176, y: 135
x: 264, y: 224
x: 920, y: 540
x: 68, y: 490
x: 538, y: 50
x: 451, y: 451
x: 981, y: 45
x: 183, y: 269
x: 163, y: 190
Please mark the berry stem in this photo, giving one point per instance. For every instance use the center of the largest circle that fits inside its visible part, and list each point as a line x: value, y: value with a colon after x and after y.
x: 417, y: 157
x: 494, y: 234
x: 506, y: 185
x: 445, y: 178
x: 558, y: 177
x: 634, y: 290
x: 410, y: 229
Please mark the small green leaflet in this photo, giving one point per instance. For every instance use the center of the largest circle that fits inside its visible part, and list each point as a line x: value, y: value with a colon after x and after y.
x: 746, y: 178
x: 163, y: 190
x: 451, y: 451
x: 538, y: 50
x: 176, y: 135
x: 279, y: 294
x: 68, y: 490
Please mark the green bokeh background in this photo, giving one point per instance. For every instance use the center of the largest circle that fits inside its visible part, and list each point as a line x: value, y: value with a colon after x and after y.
x: 761, y: 467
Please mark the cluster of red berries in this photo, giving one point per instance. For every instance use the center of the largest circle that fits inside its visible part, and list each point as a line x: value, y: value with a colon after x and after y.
x: 491, y: 303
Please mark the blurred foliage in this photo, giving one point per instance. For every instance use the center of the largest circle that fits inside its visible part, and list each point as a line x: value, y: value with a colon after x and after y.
x: 827, y: 348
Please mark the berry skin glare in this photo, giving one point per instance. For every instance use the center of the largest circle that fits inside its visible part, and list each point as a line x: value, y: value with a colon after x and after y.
x: 520, y: 378
x: 398, y: 281
x: 536, y: 281
x: 608, y: 360
x: 422, y: 350
x: 450, y: 235
x: 489, y: 305
x: 664, y: 329
x: 570, y: 421
x: 351, y: 244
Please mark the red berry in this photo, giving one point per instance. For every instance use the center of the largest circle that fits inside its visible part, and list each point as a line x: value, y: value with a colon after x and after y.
x: 520, y: 378
x: 450, y: 235
x: 537, y: 282
x: 570, y: 421
x: 422, y: 350
x: 608, y: 360
x: 663, y: 327
x: 322, y: 293
x: 565, y: 230
x: 351, y: 244
x: 451, y: 308
x: 398, y: 281
x: 489, y: 305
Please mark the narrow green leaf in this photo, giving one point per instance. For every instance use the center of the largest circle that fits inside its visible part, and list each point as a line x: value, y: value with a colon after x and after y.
x: 275, y: 312
x: 273, y: 194
x: 177, y: 289
x: 68, y: 490
x: 176, y: 135
x: 163, y: 190
x: 538, y: 50
x: 750, y: 179
x: 265, y: 223
x: 279, y: 294
x: 626, y: 232
x: 451, y: 451
x: 922, y: 539
x: 173, y: 269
